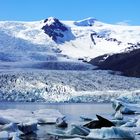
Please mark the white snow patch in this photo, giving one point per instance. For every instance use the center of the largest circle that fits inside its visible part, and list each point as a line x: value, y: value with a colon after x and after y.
x: 85, y: 22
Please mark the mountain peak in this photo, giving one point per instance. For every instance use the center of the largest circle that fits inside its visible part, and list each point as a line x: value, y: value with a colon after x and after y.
x: 58, y: 31
x: 85, y: 22
x: 50, y: 20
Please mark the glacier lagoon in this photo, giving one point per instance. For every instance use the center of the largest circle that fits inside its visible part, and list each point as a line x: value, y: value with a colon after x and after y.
x: 72, y: 111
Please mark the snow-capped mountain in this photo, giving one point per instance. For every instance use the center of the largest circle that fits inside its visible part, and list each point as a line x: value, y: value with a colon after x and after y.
x: 57, y: 30
x: 65, y: 45
x: 56, y: 40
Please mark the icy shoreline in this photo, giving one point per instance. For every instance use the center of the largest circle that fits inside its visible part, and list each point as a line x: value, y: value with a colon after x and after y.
x: 39, y: 120
x: 67, y: 86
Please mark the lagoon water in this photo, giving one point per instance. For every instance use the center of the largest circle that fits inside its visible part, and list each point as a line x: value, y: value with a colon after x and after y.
x: 72, y: 112
x: 69, y: 109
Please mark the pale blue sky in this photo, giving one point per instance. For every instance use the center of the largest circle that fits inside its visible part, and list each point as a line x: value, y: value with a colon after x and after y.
x: 110, y: 11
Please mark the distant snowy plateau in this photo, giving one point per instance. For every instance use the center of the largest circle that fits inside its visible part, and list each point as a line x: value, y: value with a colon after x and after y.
x: 69, y: 61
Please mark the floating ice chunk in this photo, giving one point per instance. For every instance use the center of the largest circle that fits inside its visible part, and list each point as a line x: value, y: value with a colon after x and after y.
x: 24, y: 116
x: 15, y: 137
x: 84, y: 118
x: 118, y: 115
x: 124, y: 107
x: 119, y: 122
x: 4, y: 121
x: 138, y: 122
x: 113, y: 132
x: 12, y: 127
x: 129, y: 124
x: 4, y: 135
x: 46, y: 120
x: 10, y: 131
x: 126, y: 110
x: 47, y: 116
x: 74, y: 132
x: 16, y: 115
x: 78, y: 130
x: 73, y: 139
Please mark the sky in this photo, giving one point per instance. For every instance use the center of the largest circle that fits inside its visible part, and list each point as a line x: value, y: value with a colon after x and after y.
x: 109, y: 11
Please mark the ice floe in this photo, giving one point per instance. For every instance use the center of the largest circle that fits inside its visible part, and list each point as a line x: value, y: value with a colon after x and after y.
x: 16, y: 122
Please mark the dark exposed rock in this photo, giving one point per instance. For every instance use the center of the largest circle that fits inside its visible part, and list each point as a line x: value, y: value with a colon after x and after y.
x: 56, y: 30
x: 127, y: 62
x: 130, y: 43
x: 132, y: 46
x: 107, y: 38
x: 61, y: 122
x: 101, y: 122
x: 113, y: 40
x: 27, y: 128
x: 92, y: 38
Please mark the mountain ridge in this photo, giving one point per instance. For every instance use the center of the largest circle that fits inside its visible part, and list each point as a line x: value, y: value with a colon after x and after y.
x: 126, y: 62
x: 81, y: 40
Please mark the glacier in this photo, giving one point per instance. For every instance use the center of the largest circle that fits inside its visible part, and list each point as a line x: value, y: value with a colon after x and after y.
x: 67, y: 86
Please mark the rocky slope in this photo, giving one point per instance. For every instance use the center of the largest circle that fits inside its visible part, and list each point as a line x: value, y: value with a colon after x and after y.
x: 127, y: 62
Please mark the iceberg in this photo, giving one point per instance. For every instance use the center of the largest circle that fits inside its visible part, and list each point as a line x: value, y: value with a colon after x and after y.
x: 111, y: 133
